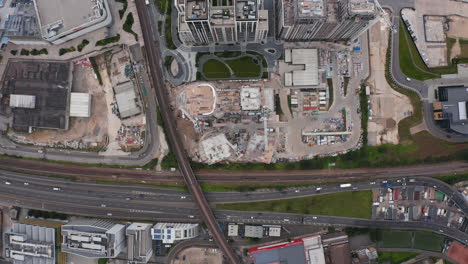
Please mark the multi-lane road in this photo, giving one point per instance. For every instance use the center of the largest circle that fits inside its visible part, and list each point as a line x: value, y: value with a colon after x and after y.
x: 139, y: 202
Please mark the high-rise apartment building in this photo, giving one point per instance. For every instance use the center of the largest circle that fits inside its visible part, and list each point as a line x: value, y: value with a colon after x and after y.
x: 305, y: 20
x: 213, y: 21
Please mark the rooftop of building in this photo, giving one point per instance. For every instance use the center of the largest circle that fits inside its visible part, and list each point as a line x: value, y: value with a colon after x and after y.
x: 21, y: 20
x: 60, y: 16
x: 246, y: 9
x: 455, y: 108
x: 91, y: 225
x: 364, y: 7
x: 33, y: 244
x: 49, y: 82
x: 196, y: 9
x: 309, y: 74
x: 310, y: 8
x: 222, y: 15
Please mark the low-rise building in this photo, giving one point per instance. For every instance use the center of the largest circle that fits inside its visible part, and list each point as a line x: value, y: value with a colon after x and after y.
x: 25, y: 244
x: 139, y: 248
x: 93, y: 238
x: 253, y: 231
x: 169, y: 233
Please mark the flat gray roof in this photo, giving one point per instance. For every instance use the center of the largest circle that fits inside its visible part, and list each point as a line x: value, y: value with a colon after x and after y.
x: 72, y: 13
x: 286, y: 255
x: 451, y: 108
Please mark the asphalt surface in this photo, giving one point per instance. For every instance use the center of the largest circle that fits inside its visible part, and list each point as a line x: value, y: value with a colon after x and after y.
x: 154, y: 62
x: 135, y: 202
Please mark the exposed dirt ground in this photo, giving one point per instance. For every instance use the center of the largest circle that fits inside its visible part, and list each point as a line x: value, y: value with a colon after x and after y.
x: 198, y: 256
x: 456, y: 50
x: 383, y: 125
x: 89, y: 130
x: 457, y: 27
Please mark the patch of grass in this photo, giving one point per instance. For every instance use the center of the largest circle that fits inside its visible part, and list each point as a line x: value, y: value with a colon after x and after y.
x: 278, y: 109
x: 82, y: 45
x: 162, y: 5
x: 215, y: 69
x: 347, y: 204
x: 244, y: 67
x: 249, y: 188
x: 290, y: 104
x: 103, y: 261
x: 169, y: 161
x: 167, y: 27
x: 396, y: 239
x: 36, y: 52
x: 228, y: 54
x: 63, y: 51
x: 428, y: 241
x: 14, y: 52
x: 46, y: 214
x: 364, y: 107
x: 345, y: 85
x: 24, y: 52
x: 453, y: 178
x: 127, y: 26
x: 124, y: 8
x: 395, y: 257
x: 110, y: 40
x: 260, y: 58
x: 96, y: 69
x: 330, y: 91
x: 408, y: 65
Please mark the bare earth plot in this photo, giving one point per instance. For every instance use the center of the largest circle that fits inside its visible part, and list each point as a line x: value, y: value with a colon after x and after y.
x: 383, y: 124
x: 198, y: 256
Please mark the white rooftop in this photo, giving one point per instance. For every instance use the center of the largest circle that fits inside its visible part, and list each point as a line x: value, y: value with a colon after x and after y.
x: 80, y: 104
x: 22, y: 101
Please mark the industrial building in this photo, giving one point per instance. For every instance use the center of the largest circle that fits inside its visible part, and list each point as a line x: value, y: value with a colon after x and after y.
x: 127, y: 100
x: 253, y: 231
x: 452, y: 108
x: 37, y: 94
x: 64, y: 20
x: 169, y: 233
x: 308, y: 75
x: 139, y: 248
x: 29, y: 244
x: 93, y: 238
x: 200, y: 22
x: 307, y: 250
x: 322, y: 20
x: 21, y: 25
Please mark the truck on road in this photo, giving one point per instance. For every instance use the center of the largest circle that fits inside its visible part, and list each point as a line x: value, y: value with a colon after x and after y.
x: 345, y: 185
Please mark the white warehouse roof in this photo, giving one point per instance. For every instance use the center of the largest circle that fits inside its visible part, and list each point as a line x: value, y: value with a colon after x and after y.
x: 22, y: 101
x: 80, y: 104
x: 127, y: 100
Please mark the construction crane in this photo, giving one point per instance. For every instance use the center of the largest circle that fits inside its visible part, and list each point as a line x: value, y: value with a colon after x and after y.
x: 385, y: 16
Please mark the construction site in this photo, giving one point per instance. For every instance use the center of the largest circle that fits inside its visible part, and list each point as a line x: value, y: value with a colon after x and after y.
x: 107, y: 118
x: 310, y: 107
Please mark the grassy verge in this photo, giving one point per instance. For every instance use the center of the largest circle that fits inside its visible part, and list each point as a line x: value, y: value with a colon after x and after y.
x: 127, y: 26
x: 453, y: 178
x: 410, y: 66
x: 36, y: 52
x: 348, y: 204
x: 110, y: 40
x: 395, y: 257
x: 345, y: 85
x: 216, y: 69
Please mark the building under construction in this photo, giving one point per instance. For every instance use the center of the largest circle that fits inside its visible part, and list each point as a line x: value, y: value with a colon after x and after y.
x: 322, y: 20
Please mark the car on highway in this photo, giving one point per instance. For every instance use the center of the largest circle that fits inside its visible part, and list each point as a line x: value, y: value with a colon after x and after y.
x: 183, y: 197
x: 372, y: 183
x: 103, y: 205
x: 26, y: 183
x: 297, y: 191
x: 314, y: 217
x: 408, y: 79
x: 109, y: 214
x: 318, y: 189
x: 127, y: 198
x: 191, y: 216
x: 355, y: 188
x: 56, y: 188
x: 7, y: 182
